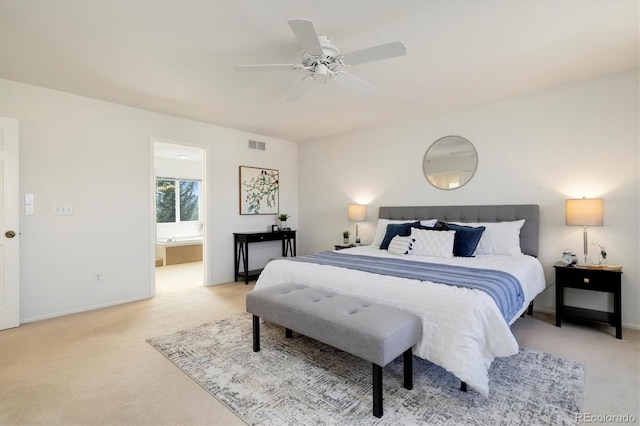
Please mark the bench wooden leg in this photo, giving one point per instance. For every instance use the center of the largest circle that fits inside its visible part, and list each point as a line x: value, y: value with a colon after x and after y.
x: 377, y: 390
x: 407, y: 362
x: 256, y: 333
x: 288, y: 333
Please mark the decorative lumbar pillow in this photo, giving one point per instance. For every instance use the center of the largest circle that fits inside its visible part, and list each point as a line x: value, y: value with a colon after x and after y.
x: 499, y: 237
x: 401, y: 245
x: 466, y: 239
x: 393, y: 229
x: 432, y: 243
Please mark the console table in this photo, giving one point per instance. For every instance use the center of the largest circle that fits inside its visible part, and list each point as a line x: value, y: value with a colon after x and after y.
x: 241, y: 249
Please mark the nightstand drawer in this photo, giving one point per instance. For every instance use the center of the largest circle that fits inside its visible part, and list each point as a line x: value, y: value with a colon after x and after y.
x: 587, y: 279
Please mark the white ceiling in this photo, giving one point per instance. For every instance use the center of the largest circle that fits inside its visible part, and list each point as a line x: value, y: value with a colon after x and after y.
x: 178, y: 57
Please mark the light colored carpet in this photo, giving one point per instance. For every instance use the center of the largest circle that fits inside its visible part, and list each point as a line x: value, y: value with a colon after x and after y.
x: 302, y: 381
x: 95, y: 368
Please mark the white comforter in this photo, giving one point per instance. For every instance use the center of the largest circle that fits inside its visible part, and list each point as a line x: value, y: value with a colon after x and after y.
x: 462, y: 329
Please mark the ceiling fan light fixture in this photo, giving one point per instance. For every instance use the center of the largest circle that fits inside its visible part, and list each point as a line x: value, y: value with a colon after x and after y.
x: 320, y: 69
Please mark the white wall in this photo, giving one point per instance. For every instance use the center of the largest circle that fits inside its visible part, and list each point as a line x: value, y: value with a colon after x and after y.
x: 97, y: 156
x: 540, y: 148
x: 572, y: 141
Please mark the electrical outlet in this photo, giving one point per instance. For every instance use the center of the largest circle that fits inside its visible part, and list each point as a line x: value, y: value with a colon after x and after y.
x: 62, y: 209
x: 97, y: 278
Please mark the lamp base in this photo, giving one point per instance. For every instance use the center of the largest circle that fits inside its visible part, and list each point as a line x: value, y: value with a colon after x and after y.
x: 586, y: 250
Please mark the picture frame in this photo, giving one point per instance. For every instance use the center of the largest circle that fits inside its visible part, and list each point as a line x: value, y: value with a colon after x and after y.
x: 259, y: 190
x: 274, y: 228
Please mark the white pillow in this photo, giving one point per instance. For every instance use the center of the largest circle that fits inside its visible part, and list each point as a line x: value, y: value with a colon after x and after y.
x: 432, y: 243
x: 400, y: 245
x: 381, y: 229
x: 430, y: 223
x: 498, y: 237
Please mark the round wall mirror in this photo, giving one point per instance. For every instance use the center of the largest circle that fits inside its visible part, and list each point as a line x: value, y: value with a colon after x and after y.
x: 450, y: 162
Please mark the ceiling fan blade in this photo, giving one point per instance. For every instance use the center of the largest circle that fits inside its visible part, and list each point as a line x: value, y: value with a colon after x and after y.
x: 307, y: 36
x: 266, y: 67
x: 375, y: 53
x: 355, y: 84
x: 301, y: 89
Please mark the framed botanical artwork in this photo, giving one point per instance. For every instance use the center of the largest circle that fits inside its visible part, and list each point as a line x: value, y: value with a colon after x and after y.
x: 259, y: 190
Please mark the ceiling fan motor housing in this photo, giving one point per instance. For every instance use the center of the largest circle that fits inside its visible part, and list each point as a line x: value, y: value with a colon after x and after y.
x: 327, y: 62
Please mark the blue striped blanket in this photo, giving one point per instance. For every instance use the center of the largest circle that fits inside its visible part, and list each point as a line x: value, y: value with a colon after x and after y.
x: 504, y: 288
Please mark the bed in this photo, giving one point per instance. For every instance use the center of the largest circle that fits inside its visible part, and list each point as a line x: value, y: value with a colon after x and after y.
x: 464, y: 329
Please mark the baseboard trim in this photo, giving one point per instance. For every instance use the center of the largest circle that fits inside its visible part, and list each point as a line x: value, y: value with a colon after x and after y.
x: 544, y: 310
x: 137, y: 299
x: 553, y: 312
x: 84, y: 309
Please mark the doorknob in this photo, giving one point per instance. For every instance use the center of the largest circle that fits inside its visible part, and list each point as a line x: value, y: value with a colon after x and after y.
x: 9, y: 234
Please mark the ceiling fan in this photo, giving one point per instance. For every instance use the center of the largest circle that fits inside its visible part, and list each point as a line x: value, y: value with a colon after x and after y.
x: 323, y: 60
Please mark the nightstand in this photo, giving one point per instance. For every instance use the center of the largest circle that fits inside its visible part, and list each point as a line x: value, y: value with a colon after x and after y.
x: 589, y: 279
x: 343, y: 246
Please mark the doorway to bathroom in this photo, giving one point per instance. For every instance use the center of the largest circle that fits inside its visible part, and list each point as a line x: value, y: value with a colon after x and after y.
x: 179, y: 236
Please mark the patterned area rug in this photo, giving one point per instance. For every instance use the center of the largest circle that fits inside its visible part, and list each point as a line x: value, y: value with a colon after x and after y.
x: 300, y: 381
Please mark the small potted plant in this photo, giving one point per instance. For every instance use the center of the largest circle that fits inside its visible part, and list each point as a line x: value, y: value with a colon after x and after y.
x: 345, y: 237
x: 283, y: 220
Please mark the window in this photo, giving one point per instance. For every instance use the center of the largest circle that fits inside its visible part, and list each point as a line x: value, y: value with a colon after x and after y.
x: 177, y: 206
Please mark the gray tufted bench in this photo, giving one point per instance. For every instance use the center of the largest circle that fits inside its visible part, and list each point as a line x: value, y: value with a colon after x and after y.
x: 376, y: 333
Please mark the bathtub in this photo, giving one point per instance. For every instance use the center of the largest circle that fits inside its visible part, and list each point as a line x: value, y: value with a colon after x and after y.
x: 179, y: 250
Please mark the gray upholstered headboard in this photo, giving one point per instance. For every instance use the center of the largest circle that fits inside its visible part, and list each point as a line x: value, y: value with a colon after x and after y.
x: 498, y: 213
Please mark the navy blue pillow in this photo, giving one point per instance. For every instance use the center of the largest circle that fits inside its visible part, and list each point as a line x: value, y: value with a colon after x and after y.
x: 393, y: 229
x: 466, y: 239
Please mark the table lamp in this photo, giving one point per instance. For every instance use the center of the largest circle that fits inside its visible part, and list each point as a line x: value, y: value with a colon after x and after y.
x: 584, y: 212
x: 357, y: 213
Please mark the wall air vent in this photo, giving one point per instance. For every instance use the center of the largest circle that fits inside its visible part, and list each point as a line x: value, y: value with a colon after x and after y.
x: 260, y: 146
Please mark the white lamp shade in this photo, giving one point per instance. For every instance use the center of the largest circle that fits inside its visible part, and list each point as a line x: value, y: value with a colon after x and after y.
x: 357, y: 212
x: 584, y: 211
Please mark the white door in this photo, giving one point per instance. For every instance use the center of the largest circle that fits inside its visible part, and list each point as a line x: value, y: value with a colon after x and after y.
x: 9, y: 218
